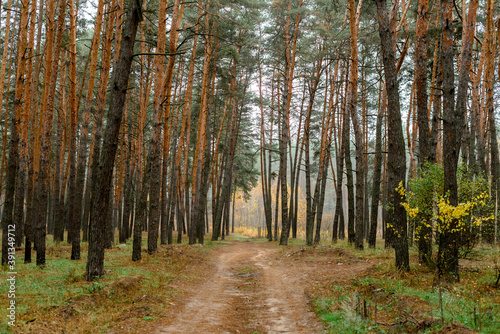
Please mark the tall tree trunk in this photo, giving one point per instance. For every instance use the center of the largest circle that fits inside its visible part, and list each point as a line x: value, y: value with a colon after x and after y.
x: 492, y: 236
x: 169, y: 203
x: 285, y: 122
x: 58, y: 208
x: 339, y: 212
x: 95, y: 262
x: 396, y: 168
x: 100, y: 104
x: 76, y: 219
x: 447, y: 261
x: 421, y: 82
x: 350, y: 180
x: 183, y: 193
x: 423, y: 230
x: 276, y: 212
x: 25, y: 116
x: 488, y: 227
x: 9, y: 225
x: 265, y: 180
x: 307, y: 163
x: 203, y: 215
x: 43, y: 184
x: 464, y: 77
x: 312, y: 202
x: 32, y: 119
x: 436, y: 113
x: 3, y: 66
x: 294, y: 177
x: 352, y: 103
x: 372, y: 239
x: 32, y: 161
x: 283, y: 145
x: 338, y: 218
x: 162, y: 101
x: 326, y: 133
x: 495, y: 159
x: 477, y: 159
x: 197, y: 224
x: 295, y: 171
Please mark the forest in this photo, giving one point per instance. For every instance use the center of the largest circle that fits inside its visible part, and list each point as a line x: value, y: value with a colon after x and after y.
x: 357, y: 128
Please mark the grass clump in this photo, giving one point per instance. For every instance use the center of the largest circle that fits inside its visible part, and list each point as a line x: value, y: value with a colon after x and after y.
x: 345, y: 315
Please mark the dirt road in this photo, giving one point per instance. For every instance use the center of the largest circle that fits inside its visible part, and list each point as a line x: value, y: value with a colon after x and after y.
x: 252, y: 288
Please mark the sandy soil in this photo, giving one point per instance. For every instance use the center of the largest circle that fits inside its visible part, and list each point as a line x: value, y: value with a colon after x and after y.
x: 257, y: 288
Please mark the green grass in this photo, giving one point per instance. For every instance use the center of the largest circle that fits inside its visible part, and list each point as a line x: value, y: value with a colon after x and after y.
x: 345, y: 319
x: 50, y: 293
x: 473, y: 302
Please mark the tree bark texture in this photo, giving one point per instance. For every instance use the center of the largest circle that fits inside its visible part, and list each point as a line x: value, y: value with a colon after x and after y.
x: 396, y: 169
x: 119, y: 86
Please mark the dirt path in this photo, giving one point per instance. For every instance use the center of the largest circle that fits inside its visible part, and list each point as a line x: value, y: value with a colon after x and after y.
x: 252, y: 288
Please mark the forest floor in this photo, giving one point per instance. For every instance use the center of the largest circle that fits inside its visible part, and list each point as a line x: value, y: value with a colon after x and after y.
x: 254, y: 287
x: 246, y: 285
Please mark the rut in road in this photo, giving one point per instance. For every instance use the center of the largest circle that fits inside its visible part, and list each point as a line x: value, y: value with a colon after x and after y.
x: 250, y: 290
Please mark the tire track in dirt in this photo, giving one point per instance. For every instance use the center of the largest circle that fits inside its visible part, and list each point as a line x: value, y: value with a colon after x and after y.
x: 207, y: 308
x: 252, y: 289
x: 285, y: 307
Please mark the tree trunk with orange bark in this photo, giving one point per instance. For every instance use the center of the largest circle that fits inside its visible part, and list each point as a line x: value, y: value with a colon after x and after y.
x: 162, y: 105
x: 8, y: 224
x: 58, y: 201
x: 488, y: 227
x: 3, y: 67
x: 107, y: 41
x: 24, y: 126
x: 196, y: 226
x: 76, y: 215
x: 495, y: 156
x: 73, y: 113
x: 30, y: 120
x: 42, y: 187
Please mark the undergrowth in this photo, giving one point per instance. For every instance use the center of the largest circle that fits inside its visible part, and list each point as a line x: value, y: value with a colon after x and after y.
x: 382, y: 300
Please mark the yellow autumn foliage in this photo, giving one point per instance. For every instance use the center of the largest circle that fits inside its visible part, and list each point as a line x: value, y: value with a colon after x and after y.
x: 449, y: 217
